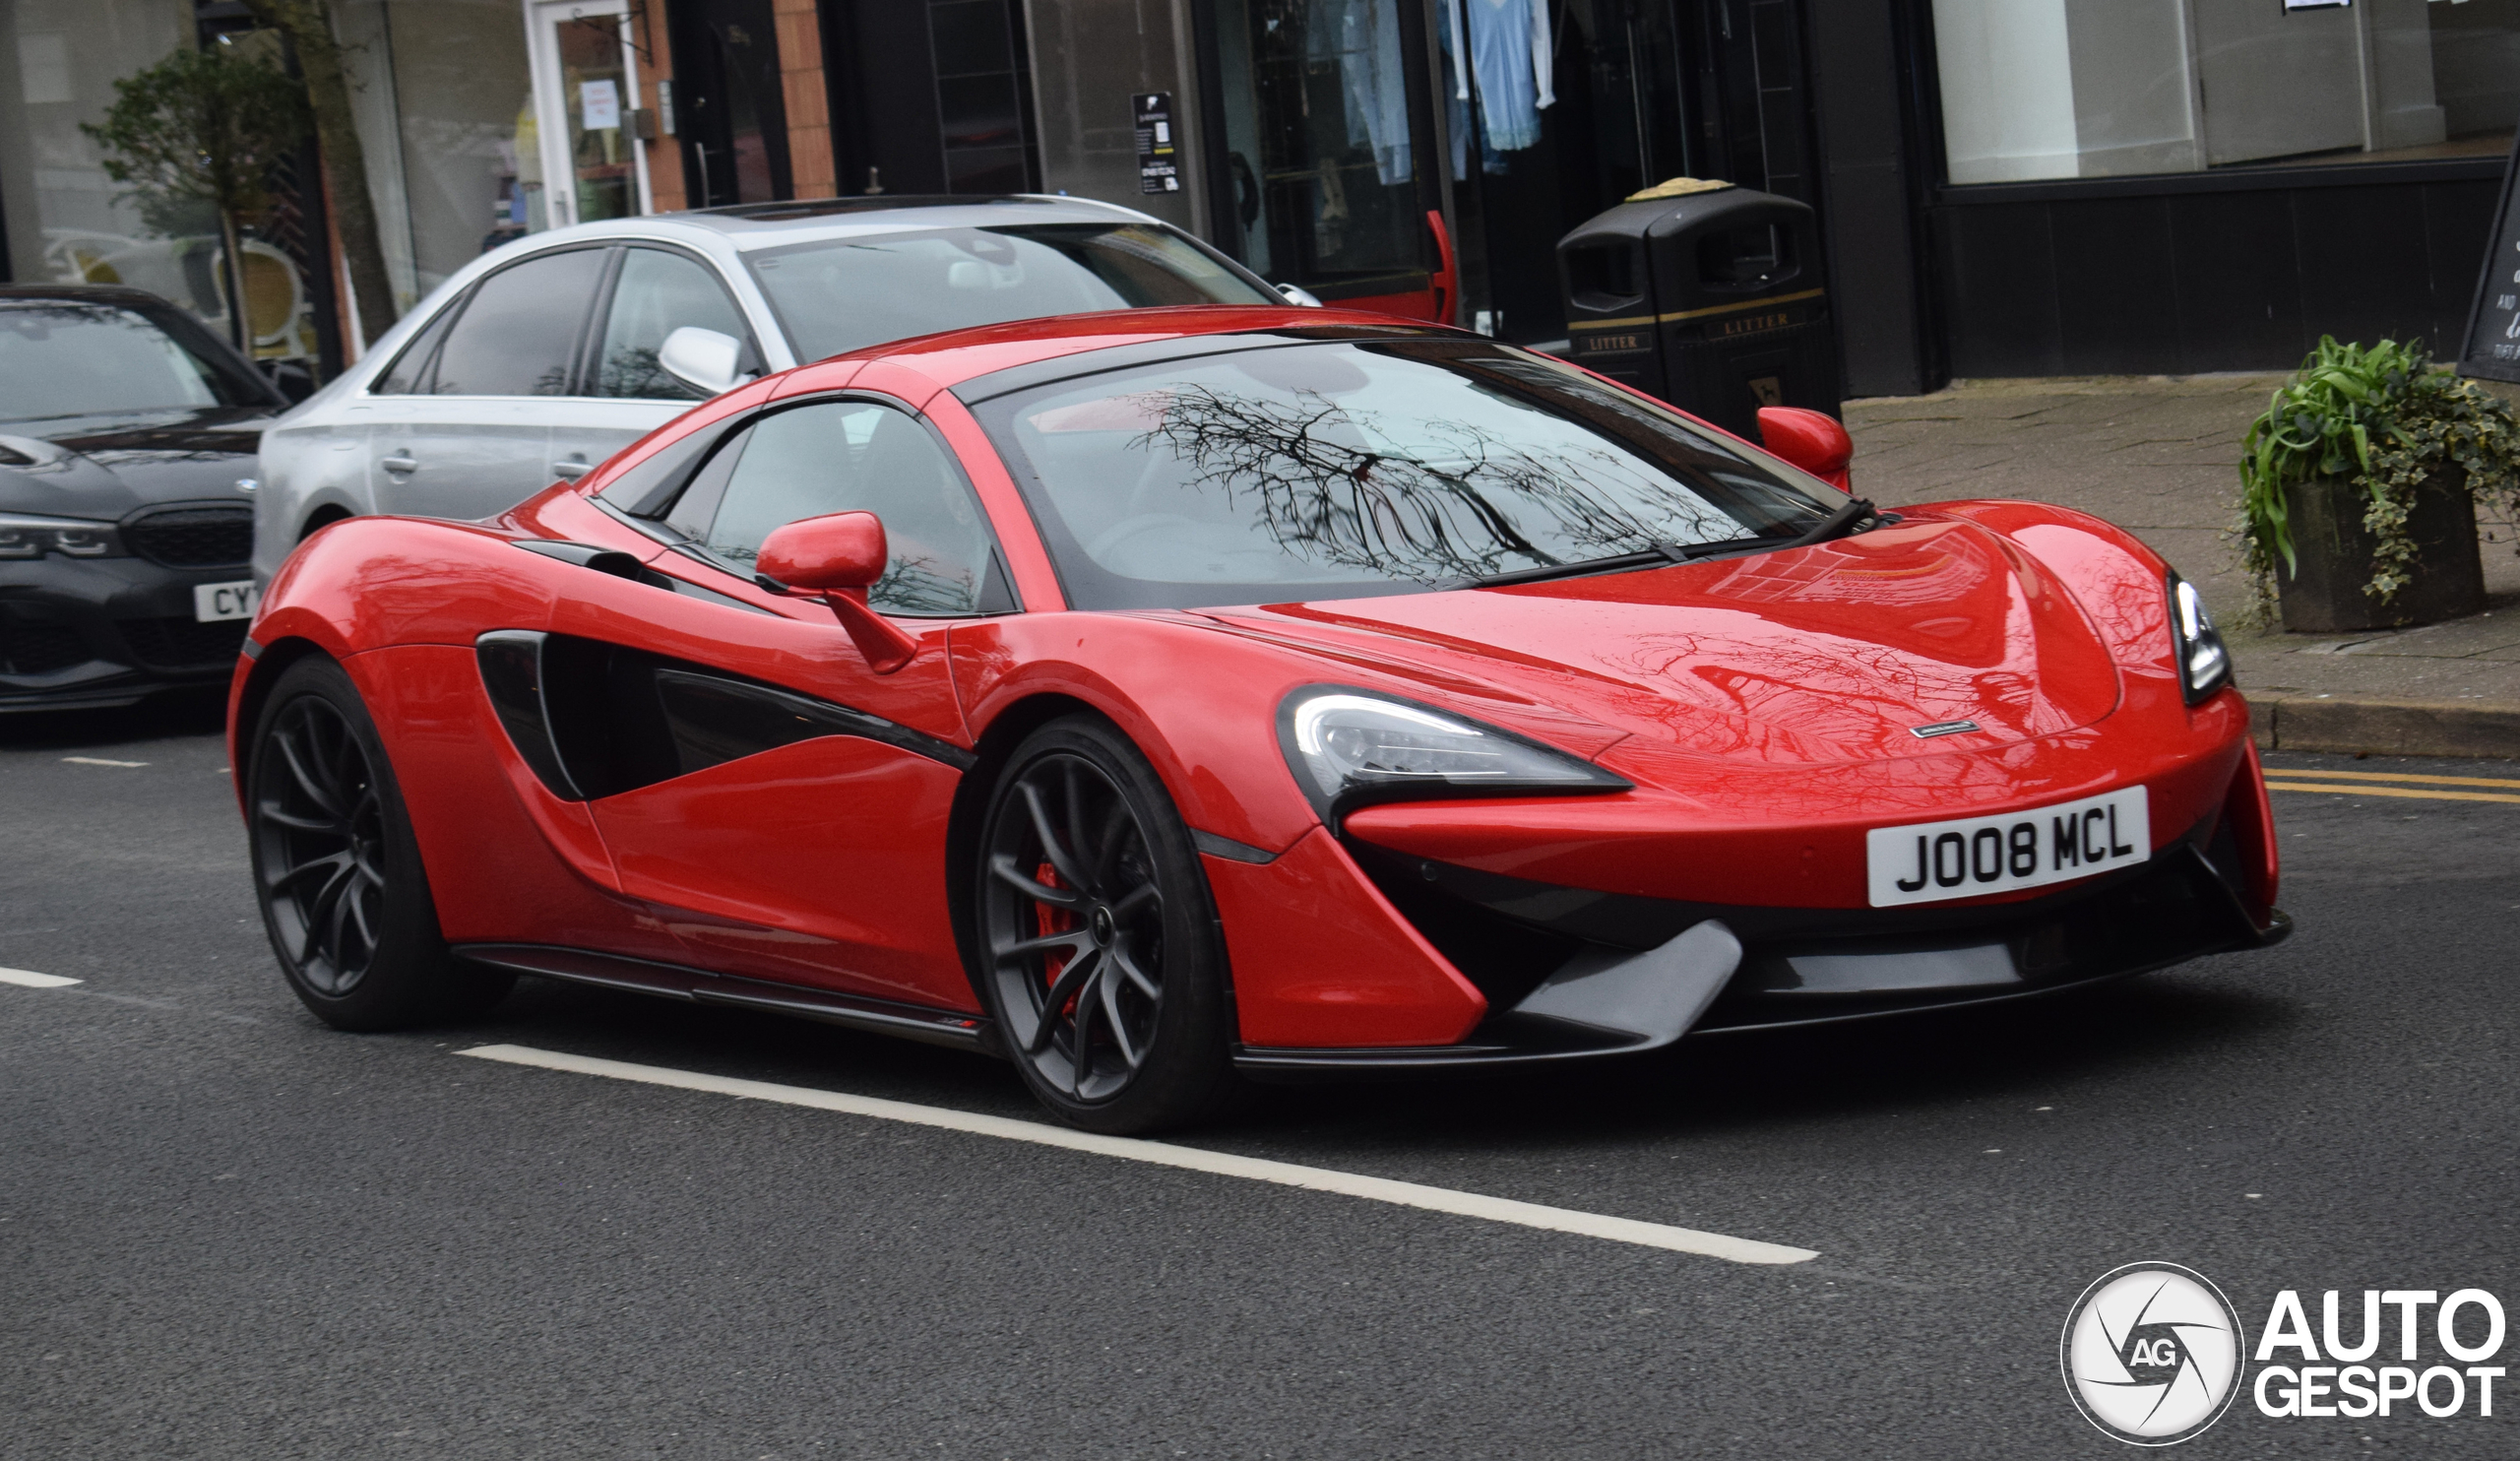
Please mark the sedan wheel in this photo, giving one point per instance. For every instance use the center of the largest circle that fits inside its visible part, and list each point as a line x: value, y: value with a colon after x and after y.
x: 1104, y: 972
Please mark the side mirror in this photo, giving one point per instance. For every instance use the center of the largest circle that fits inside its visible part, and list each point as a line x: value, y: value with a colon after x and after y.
x: 703, y: 359
x: 1813, y: 440
x: 1298, y: 295
x: 835, y: 558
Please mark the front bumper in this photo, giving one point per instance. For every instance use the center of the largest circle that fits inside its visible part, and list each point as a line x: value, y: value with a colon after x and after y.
x: 1575, y: 974
x: 92, y: 632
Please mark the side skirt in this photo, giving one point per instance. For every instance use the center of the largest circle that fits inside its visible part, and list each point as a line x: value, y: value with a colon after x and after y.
x: 943, y: 1027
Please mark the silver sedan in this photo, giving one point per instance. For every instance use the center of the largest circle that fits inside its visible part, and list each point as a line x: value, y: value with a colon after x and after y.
x: 544, y: 358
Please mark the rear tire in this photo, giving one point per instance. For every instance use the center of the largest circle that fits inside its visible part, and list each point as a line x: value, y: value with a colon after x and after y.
x: 1104, y: 971
x: 337, y: 871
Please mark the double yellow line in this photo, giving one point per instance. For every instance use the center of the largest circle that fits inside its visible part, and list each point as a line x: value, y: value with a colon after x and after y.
x: 2377, y: 783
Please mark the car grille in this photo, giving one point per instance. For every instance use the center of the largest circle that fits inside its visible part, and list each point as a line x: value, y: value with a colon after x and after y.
x: 38, y: 649
x: 182, y: 643
x: 195, y: 536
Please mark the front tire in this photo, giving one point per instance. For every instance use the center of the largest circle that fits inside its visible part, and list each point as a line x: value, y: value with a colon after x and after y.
x: 1106, y: 974
x: 337, y: 869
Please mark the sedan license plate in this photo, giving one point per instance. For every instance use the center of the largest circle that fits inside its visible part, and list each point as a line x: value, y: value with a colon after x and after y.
x: 214, y: 602
x: 1975, y: 856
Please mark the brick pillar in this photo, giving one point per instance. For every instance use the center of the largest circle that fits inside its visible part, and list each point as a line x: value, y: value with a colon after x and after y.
x: 665, y: 154
x: 801, y: 73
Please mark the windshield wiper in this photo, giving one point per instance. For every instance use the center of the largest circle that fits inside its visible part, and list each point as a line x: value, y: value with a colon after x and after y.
x: 1653, y: 557
x: 1836, y: 525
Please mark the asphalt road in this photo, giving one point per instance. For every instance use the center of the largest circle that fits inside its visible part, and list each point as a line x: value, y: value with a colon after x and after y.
x: 227, y: 1232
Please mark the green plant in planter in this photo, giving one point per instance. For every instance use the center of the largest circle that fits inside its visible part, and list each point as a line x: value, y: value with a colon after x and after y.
x: 2385, y: 418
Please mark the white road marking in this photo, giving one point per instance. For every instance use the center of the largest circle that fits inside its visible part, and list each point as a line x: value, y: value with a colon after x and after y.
x: 33, y: 980
x: 99, y: 761
x: 1164, y: 1153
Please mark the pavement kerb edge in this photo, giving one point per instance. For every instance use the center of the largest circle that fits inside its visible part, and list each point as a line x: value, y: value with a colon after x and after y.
x: 2392, y: 728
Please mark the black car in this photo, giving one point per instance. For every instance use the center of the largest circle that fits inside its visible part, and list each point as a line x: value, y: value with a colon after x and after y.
x: 127, y: 441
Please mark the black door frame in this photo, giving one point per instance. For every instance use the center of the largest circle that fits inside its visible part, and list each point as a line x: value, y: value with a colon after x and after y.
x: 696, y: 29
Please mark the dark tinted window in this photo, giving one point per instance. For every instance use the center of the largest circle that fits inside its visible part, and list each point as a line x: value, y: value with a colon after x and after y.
x: 837, y: 295
x: 657, y: 294
x: 96, y: 359
x: 410, y: 368
x: 698, y: 504
x: 850, y: 456
x: 1322, y: 471
x: 519, y: 335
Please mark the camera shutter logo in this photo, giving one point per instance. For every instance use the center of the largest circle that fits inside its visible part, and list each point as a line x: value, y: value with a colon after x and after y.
x: 2152, y: 1354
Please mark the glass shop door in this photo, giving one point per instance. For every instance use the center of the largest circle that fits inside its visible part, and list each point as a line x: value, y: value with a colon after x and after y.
x: 729, y: 106
x: 1326, y: 153
x: 585, y: 86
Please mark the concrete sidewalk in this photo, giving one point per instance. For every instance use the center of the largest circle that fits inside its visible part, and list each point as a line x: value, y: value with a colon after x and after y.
x: 2159, y: 455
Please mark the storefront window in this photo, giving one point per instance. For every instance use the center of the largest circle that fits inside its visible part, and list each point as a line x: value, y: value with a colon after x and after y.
x: 465, y: 123
x: 446, y: 117
x: 1318, y: 138
x: 2055, y: 89
x: 69, y: 223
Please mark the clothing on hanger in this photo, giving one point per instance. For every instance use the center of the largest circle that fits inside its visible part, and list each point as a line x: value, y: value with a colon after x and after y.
x: 1363, y: 38
x: 1512, y: 58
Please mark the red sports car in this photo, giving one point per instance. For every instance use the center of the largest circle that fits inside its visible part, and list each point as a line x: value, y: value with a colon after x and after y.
x: 1168, y: 698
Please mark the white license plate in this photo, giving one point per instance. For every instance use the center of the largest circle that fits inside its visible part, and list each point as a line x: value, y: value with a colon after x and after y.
x: 1975, y: 856
x: 214, y: 602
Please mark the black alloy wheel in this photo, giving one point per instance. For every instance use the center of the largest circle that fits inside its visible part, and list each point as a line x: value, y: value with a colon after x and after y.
x: 321, y: 822
x: 1105, y: 973
x: 337, y: 871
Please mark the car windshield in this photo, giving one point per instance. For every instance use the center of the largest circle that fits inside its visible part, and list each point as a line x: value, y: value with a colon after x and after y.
x: 842, y: 293
x: 69, y: 360
x: 1338, y: 469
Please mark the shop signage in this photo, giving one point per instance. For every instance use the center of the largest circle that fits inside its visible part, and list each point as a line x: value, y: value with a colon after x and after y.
x: 1755, y: 324
x: 1159, y: 165
x: 2493, y: 348
x: 599, y: 105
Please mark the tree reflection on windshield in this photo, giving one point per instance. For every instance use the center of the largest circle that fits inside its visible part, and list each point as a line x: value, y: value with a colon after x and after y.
x: 1343, y: 487
x: 1340, y: 468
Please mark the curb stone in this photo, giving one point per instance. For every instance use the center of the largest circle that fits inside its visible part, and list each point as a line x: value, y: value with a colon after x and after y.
x: 2392, y: 728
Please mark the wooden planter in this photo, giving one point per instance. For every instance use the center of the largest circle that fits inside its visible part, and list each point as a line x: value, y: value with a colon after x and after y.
x: 2325, y: 596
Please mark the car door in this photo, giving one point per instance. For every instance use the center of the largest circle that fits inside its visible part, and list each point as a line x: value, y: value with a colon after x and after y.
x: 623, y: 394
x: 472, y: 439
x: 778, y: 802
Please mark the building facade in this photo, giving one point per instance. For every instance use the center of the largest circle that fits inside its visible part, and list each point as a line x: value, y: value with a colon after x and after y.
x: 2003, y: 187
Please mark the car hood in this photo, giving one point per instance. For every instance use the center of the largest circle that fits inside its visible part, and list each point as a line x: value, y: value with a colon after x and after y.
x: 1835, y: 653
x: 105, y: 468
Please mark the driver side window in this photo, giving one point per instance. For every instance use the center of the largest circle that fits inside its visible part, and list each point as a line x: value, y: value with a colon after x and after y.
x: 853, y: 456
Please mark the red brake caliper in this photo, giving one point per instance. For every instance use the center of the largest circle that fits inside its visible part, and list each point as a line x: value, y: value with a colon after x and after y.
x: 1053, y: 921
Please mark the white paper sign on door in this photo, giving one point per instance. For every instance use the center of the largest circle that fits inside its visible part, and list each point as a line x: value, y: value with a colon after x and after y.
x: 599, y: 105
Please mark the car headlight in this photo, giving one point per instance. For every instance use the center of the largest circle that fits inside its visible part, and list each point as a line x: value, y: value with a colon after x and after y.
x: 26, y: 535
x: 2204, y: 661
x: 1350, y: 746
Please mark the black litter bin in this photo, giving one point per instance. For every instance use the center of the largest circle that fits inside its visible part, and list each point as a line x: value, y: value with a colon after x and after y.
x: 1707, y: 296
